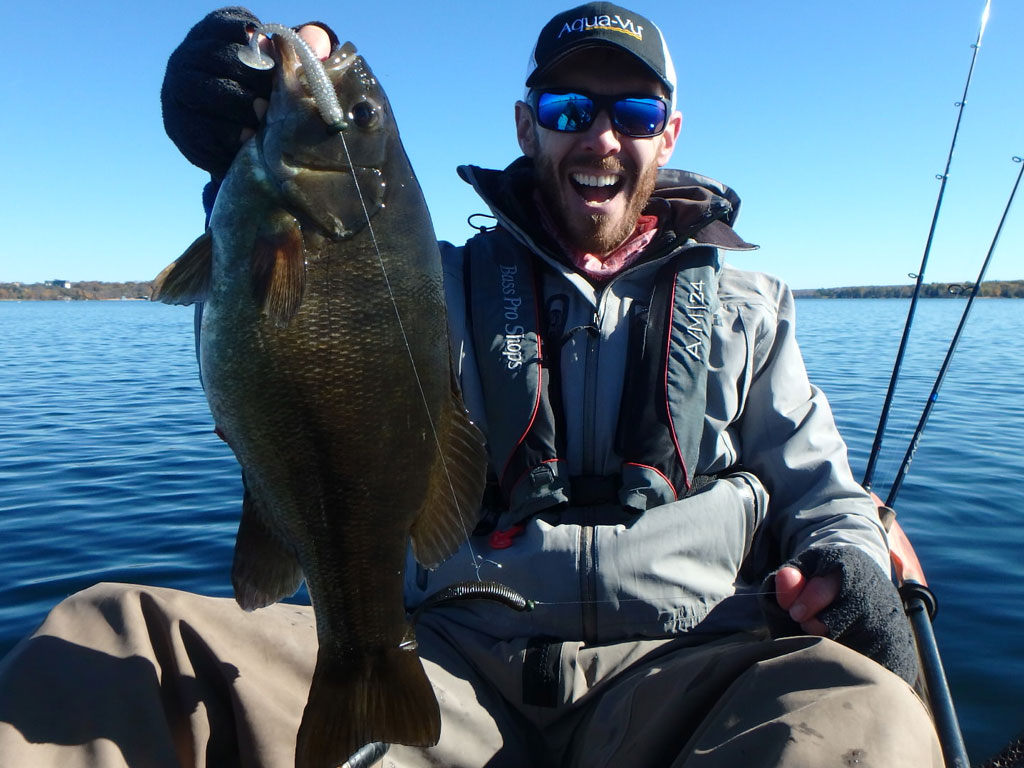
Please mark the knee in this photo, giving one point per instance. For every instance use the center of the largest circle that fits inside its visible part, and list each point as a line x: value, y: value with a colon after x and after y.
x: 853, y: 668
x: 859, y: 688
x: 95, y: 614
x: 874, y: 702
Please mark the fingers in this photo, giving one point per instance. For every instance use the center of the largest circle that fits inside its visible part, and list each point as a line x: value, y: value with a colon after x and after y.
x: 259, y: 106
x: 789, y: 582
x: 818, y: 594
x: 318, y: 40
x: 804, y: 598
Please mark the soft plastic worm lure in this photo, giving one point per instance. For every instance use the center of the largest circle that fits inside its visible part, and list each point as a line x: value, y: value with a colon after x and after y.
x: 320, y: 86
x: 476, y: 590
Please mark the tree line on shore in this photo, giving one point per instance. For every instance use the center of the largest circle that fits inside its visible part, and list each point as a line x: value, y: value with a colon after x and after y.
x: 93, y: 290
x: 58, y: 290
x: 995, y: 289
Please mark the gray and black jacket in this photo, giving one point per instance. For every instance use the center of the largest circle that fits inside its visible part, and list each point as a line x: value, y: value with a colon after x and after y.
x: 656, y: 446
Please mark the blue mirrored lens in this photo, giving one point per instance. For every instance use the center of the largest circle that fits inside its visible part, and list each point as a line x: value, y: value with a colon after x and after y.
x: 639, y: 117
x: 568, y: 112
x: 574, y: 112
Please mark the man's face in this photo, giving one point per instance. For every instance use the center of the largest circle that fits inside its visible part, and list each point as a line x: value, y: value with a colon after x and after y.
x: 597, y: 182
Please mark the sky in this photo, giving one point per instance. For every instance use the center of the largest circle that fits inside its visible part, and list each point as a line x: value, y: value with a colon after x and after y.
x: 830, y: 119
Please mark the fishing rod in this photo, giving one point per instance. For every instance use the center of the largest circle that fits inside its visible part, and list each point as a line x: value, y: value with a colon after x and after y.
x: 876, y: 448
x: 919, y: 601
x: 915, y: 440
x: 920, y: 605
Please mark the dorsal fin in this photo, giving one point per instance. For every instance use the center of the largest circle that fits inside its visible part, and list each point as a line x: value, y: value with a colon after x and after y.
x: 187, y: 279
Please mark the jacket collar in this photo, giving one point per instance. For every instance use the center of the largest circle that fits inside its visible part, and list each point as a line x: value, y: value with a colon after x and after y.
x: 687, y: 204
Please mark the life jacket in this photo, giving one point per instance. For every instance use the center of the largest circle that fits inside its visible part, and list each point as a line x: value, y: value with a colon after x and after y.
x: 516, y: 334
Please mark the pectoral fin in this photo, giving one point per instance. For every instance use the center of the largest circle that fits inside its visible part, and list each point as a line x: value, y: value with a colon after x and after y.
x: 456, y: 488
x: 264, y: 569
x: 278, y: 269
x: 187, y: 279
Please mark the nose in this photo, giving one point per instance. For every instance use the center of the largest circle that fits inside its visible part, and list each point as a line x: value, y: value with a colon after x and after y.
x: 601, y: 137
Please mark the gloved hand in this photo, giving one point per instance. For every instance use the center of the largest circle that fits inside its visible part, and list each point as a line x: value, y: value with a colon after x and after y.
x: 866, y: 615
x: 208, y: 93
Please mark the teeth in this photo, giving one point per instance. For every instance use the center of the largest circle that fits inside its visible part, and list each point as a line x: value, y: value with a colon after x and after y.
x: 594, y: 181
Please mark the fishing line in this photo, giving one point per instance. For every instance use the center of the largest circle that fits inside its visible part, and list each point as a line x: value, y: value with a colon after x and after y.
x: 322, y: 91
x: 869, y: 472
x: 503, y: 594
x: 408, y: 349
x: 939, y: 697
x: 915, y: 440
x: 659, y: 598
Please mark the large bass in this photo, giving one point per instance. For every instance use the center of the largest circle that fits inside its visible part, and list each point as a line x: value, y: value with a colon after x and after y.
x: 325, y: 359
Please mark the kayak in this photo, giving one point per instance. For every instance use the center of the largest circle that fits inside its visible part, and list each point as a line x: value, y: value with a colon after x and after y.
x: 920, y: 605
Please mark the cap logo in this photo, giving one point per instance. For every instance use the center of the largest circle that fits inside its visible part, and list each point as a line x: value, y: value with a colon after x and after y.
x: 613, y: 23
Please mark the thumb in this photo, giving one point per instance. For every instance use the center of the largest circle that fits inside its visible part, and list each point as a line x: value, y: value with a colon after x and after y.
x: 317, y: 38
x: 789, y: 583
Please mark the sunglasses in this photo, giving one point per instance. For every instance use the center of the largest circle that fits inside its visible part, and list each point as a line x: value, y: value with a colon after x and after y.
x: 574, y: 112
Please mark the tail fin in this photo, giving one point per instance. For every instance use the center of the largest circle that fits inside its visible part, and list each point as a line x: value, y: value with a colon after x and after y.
x: 382, y: 697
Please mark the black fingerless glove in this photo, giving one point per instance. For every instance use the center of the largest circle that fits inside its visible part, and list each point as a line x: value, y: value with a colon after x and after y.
x: 867, y: 615
x: 208, y: 93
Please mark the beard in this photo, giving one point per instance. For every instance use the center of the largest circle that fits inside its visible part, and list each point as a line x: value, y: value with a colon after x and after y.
x: 595, y: 233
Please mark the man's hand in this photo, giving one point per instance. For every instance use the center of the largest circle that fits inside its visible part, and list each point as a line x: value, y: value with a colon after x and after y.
x: 211, y: 101
x: 803, y: 599
x: 841, y: 593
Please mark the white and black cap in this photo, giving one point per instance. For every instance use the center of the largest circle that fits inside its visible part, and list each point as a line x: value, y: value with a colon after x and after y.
x: 596, y: 24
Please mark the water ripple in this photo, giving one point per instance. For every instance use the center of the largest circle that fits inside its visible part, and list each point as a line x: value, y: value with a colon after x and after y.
x: 110, y: 471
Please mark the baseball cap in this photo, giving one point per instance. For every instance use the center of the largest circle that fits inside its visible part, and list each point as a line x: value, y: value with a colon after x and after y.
x: 596, y: 24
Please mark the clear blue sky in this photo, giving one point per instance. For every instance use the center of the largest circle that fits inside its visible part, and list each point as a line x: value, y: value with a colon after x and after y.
x: 831, y: 120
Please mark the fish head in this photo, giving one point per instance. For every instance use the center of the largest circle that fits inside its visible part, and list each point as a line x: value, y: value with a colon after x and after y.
x: 334, y: 178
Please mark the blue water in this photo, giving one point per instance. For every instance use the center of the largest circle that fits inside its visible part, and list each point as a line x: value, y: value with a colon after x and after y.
x: 109, y: 469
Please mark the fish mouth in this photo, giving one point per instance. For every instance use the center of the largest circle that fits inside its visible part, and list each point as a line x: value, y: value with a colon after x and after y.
x: 325, y: 141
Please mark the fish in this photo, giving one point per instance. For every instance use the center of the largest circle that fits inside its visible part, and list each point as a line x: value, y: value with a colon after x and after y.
x: 325, y: 360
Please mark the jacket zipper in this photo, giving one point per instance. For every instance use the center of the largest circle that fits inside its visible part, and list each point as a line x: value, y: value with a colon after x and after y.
x: 588, y: 538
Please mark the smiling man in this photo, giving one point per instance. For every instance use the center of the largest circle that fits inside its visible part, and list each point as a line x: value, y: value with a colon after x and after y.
x: 596, y: 179
x: 711, y: 584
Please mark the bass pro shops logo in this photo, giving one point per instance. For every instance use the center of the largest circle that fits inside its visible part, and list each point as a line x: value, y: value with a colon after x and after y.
x: 512, y: 342
x: 613, y: 23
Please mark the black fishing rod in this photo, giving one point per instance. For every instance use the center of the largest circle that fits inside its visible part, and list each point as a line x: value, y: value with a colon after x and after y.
x: 915, y: 440
x: 918, y: 600
x: 876, y: 448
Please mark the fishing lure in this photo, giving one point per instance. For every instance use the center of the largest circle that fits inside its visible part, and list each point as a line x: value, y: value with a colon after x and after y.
x: 320, y: 87
x: 476, y: 590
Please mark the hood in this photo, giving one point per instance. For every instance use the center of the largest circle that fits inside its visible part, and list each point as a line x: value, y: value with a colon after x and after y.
x: 690, y: 205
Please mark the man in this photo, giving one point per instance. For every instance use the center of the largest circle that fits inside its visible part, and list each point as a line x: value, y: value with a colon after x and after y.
x: 656, y: 457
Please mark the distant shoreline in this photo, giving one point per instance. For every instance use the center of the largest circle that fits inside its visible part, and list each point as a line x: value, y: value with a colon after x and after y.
x: 63, y: 290
x: 992, y: 289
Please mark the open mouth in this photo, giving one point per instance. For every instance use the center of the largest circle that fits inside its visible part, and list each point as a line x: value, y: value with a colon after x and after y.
x: 595, y: 187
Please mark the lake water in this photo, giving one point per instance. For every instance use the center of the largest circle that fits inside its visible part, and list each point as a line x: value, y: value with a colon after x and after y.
x: 110, y: 471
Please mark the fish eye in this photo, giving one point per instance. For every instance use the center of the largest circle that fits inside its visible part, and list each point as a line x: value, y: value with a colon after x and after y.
x: 364, y: 114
